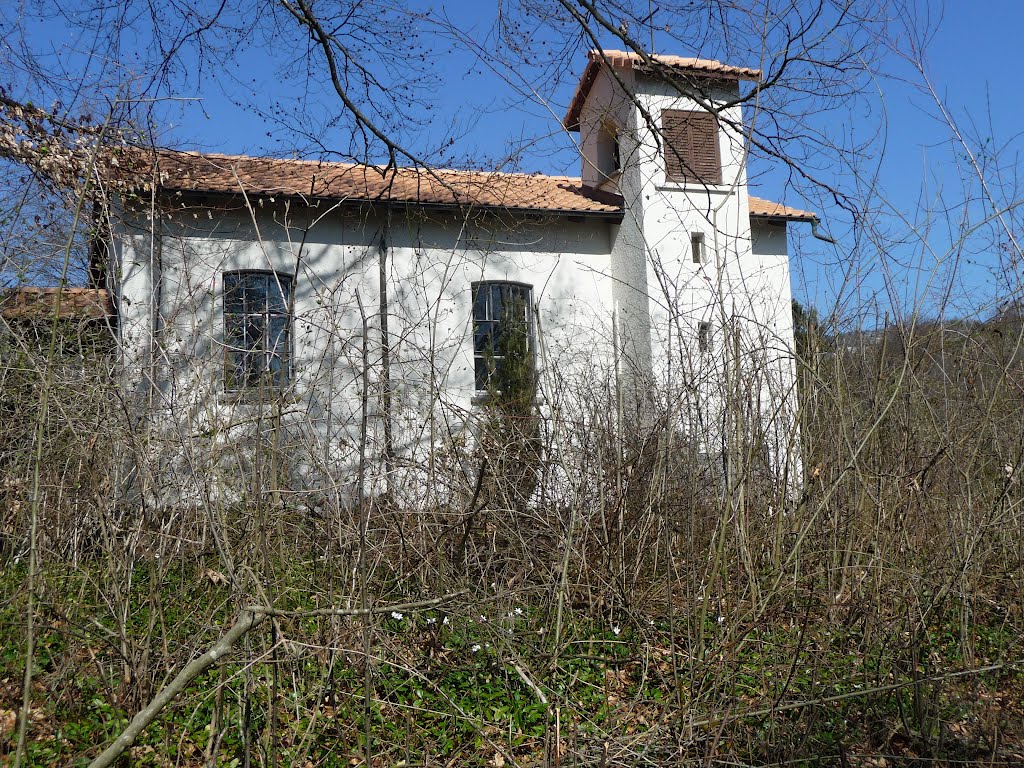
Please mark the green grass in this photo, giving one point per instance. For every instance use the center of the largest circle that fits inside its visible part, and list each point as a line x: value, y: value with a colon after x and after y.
x: 445, y: 682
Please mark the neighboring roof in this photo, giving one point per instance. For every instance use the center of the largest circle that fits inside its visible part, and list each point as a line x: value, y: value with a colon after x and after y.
x: 40, y: 303
x: 234, y: 174
x: 669, y: 66
x: 766, y: 209
x: 262, y: 177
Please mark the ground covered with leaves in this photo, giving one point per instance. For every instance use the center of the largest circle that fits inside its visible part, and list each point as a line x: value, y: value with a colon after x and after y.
x: 483, y: 680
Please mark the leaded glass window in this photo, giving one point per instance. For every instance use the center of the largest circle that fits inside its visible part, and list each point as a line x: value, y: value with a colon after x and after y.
x: 257, y: 329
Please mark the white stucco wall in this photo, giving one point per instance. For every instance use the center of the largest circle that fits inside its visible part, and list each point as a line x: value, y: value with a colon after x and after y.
x: 741, y: 286
x: 429, y: 264
x: 769, y: 306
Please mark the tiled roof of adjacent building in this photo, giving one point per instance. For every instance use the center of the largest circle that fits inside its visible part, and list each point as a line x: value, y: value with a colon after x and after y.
x: 346, y: 182
x: 672, y: 65
x: 40, y: 303
x: 766, y: 209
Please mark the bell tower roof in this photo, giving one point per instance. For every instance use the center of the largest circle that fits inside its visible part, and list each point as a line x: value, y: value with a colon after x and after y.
x: 662, y: 64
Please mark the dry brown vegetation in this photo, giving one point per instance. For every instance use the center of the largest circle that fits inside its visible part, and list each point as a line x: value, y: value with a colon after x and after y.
x: 636, y: 609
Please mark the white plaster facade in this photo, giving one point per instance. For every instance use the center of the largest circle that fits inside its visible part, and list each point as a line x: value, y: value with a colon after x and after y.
x: 382, y: 320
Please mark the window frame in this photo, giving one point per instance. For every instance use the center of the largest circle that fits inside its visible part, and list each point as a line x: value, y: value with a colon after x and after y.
x: 697, y: 244
x: 267, y: 379
x: 684, y: 127
x: 705, y: 340
x: 484, y: 357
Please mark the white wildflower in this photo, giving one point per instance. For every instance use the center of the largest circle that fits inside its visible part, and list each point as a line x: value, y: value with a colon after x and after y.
x: 475, y: 648
x: 445, y: 621
x: 397, y: 615
x: 518, y: 611
x: 616, y: 631
x: 431, y: 620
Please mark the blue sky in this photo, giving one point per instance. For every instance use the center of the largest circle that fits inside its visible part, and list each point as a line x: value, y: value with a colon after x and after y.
x: 900, y: 257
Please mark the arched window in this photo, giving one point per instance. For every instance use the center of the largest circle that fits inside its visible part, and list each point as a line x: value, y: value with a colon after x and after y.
x: 609, y: 152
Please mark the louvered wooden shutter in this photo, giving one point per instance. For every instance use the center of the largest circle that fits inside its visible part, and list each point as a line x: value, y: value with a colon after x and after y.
x: 690, y: 143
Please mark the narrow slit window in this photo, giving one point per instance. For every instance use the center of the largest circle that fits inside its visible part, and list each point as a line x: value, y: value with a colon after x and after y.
x: 609, y: 157
x: 697, y: 247
x: 704, y: 337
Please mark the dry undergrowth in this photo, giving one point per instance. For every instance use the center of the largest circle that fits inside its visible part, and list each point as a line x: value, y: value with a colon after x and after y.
x: 646, y: 612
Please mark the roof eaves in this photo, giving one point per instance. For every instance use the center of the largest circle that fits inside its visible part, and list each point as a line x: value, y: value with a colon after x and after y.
x: 760, y: 208
x: 612, y: 209
x: 590, y: 213
x: 806, y: 217
x: 572, y: 115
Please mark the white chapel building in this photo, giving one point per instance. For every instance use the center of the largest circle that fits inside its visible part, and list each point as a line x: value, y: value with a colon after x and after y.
x: 368, y: 304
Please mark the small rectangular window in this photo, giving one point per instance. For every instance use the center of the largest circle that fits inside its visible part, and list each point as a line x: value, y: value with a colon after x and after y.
x: 257, y: 329
x: 704, y: 337
x: 503, y: 335
x: 697, y: 247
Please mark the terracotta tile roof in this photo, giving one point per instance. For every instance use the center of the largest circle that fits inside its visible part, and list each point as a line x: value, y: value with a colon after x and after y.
x: 766, y: 209
x: 673, y: 65
x: 257, y: 176
x: 195, y: 172
x: 39, y: 303
x: 688, y: 64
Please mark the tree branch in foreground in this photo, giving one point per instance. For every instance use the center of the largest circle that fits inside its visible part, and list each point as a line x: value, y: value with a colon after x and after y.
x: 248, y: 619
